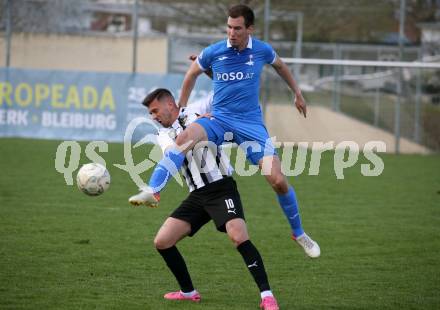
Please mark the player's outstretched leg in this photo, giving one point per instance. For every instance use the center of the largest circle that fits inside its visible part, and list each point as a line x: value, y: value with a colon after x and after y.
x: 145, y: 197
x: 168, y: 166
x: 172, y: 161
x: 150, y: 195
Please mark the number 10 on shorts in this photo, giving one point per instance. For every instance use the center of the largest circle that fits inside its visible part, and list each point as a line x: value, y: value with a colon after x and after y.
x: 230, y: 205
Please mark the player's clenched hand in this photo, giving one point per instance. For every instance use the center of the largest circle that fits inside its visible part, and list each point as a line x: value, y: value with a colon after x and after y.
x: 300, y: 104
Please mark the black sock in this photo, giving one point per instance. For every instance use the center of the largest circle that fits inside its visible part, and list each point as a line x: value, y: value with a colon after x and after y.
x: 255, y: 265
x: 177, y: 265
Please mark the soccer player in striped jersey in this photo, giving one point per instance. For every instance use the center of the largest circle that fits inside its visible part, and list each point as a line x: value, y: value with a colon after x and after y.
x: 236, y: 64
x: 213, y: 196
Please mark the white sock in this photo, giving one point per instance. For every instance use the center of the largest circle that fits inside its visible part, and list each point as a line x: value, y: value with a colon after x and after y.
x: 266, y: 294
x: 189, y: 294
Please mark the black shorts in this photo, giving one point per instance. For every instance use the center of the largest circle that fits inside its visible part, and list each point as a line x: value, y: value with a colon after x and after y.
x: 219, y: 201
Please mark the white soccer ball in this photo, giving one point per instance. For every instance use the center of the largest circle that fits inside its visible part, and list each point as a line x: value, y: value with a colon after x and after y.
x: 93, y: 179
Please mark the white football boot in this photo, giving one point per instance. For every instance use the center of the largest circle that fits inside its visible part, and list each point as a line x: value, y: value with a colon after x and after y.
x: 311, y: 247
x: 145, y: 197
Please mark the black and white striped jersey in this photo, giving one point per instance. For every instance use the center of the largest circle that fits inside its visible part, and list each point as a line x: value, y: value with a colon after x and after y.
x: 206, y: 163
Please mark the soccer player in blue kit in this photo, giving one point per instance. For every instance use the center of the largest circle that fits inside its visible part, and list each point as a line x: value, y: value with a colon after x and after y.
x: 236, y: 64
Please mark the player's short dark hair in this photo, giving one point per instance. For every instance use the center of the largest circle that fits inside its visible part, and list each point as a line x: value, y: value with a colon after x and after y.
x: 158, y: 94
x: 242, y: 10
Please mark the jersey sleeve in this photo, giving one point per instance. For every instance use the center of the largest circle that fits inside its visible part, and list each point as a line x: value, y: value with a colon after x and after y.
x: 269, y: 54
x: 204, y: 60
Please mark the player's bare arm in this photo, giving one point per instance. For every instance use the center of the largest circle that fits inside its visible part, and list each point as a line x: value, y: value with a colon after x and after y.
x: 207, y: 72
x: 282, y: 69
x: 188, y: 83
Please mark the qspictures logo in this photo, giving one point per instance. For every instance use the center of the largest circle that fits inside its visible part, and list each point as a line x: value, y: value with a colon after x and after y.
x: 346, y: 155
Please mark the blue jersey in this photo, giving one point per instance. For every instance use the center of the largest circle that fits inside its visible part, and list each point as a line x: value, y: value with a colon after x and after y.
x: 236, y: 77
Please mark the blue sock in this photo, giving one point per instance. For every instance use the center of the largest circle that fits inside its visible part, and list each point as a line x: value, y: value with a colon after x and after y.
x: 168, y: 166
x: 290, y: 208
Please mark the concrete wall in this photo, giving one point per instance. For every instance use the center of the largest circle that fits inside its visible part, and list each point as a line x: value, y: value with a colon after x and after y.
x: 85, y: 53
x: 324, y: 125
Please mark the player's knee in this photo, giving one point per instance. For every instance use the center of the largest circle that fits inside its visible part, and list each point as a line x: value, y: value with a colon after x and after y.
x: 279, y: 183
x: 163, y: 243
x: 190, y: 137
x: 183, y: 138
x: 238, y: 238
x: 237, y: 232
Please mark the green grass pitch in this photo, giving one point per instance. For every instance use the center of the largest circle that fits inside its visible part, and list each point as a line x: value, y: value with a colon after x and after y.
x: 60, y: 249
